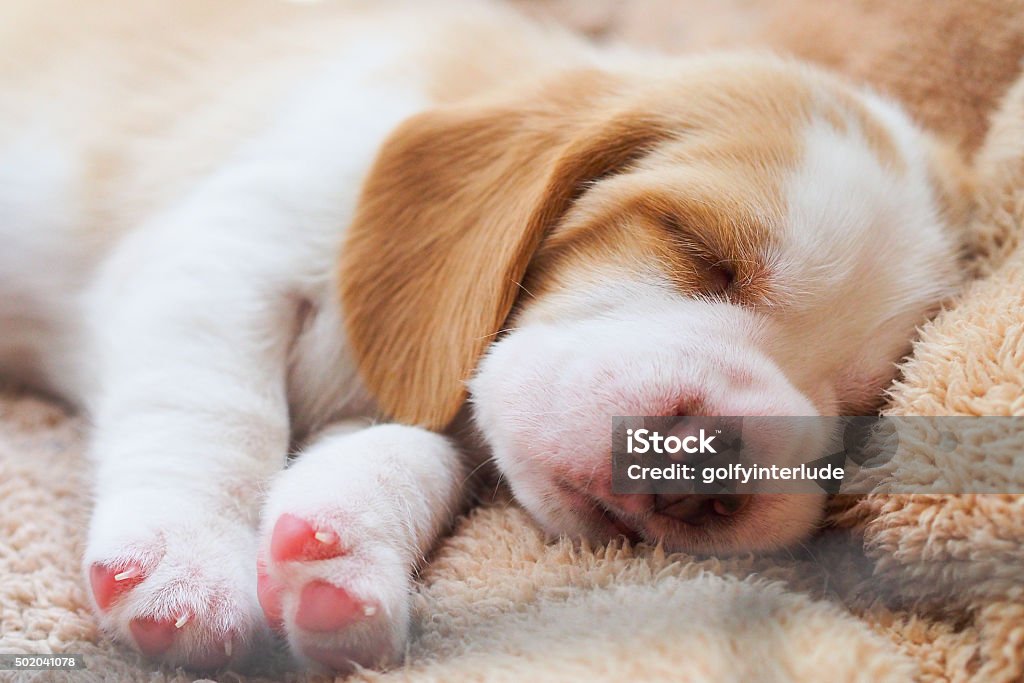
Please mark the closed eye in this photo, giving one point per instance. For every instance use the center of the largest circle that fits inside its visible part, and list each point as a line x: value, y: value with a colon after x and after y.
x: 717, y: 276
x: 714, y: 274
x: 720, y: 277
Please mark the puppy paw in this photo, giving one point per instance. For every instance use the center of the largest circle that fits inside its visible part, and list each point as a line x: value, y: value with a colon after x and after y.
x: 179, y: 590
x: 342, y: 531
x: 337, y: 592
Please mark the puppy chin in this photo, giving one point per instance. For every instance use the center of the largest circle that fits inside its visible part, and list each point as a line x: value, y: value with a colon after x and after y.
x: 769, y: 522
x: 561, y: 510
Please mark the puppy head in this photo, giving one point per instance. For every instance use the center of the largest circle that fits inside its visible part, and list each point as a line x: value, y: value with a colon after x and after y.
x: 733, y: 236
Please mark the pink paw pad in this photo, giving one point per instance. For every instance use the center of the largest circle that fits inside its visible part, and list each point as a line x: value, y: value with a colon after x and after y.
x: 326, y: 607
x: 294, y: 538
x: 109, y: 583
x: 154, y: 636
x: 268, y: 592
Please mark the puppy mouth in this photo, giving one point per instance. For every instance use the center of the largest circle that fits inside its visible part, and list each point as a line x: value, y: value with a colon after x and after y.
x: 606, y: 521
x: 603, y: 519
x: 621, y: 526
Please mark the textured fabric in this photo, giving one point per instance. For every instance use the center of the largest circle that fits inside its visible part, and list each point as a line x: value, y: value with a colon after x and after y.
x: 930, y: 587
x: 948, y: 61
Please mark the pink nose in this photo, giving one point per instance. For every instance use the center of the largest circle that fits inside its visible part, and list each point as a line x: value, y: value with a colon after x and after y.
x: 693, y: 404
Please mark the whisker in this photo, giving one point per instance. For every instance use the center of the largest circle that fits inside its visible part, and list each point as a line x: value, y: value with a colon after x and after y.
x: 495, y: 334
x: 476, y: 469
x: 520, y: 286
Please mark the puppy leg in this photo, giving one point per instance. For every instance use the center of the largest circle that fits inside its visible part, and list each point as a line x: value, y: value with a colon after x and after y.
x: 191, y: 422
x: 343, y: 530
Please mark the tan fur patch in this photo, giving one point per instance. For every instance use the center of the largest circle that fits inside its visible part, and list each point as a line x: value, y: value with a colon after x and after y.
x: 704, y: 207
x: 458, y: 201
x: 683, y: 170
x: 954, y: 184
x: 848, y: 108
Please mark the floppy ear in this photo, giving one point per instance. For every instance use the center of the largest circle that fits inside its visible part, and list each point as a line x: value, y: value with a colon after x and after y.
x: 452, y: 211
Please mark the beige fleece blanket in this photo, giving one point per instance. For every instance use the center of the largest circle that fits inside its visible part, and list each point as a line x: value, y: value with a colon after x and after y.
x: 925, y: 587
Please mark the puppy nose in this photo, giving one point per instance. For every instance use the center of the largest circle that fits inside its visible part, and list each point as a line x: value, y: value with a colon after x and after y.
x: 699, y: 510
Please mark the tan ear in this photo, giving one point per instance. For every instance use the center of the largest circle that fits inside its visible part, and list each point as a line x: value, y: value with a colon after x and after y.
x: 452, y: 211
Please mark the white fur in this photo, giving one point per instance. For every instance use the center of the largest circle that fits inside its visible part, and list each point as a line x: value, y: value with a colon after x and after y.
x: 208, y: 337
x: 204, y: 302
x: 858, y: 232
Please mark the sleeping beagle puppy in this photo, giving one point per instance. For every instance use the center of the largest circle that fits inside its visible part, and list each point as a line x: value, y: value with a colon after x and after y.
x: 230, y: 228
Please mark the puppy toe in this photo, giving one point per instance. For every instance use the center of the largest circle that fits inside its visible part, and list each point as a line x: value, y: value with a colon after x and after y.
x: 295, y: 538
x: 180, y: 591
x: 338, y: 607
x: 110, y: 583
